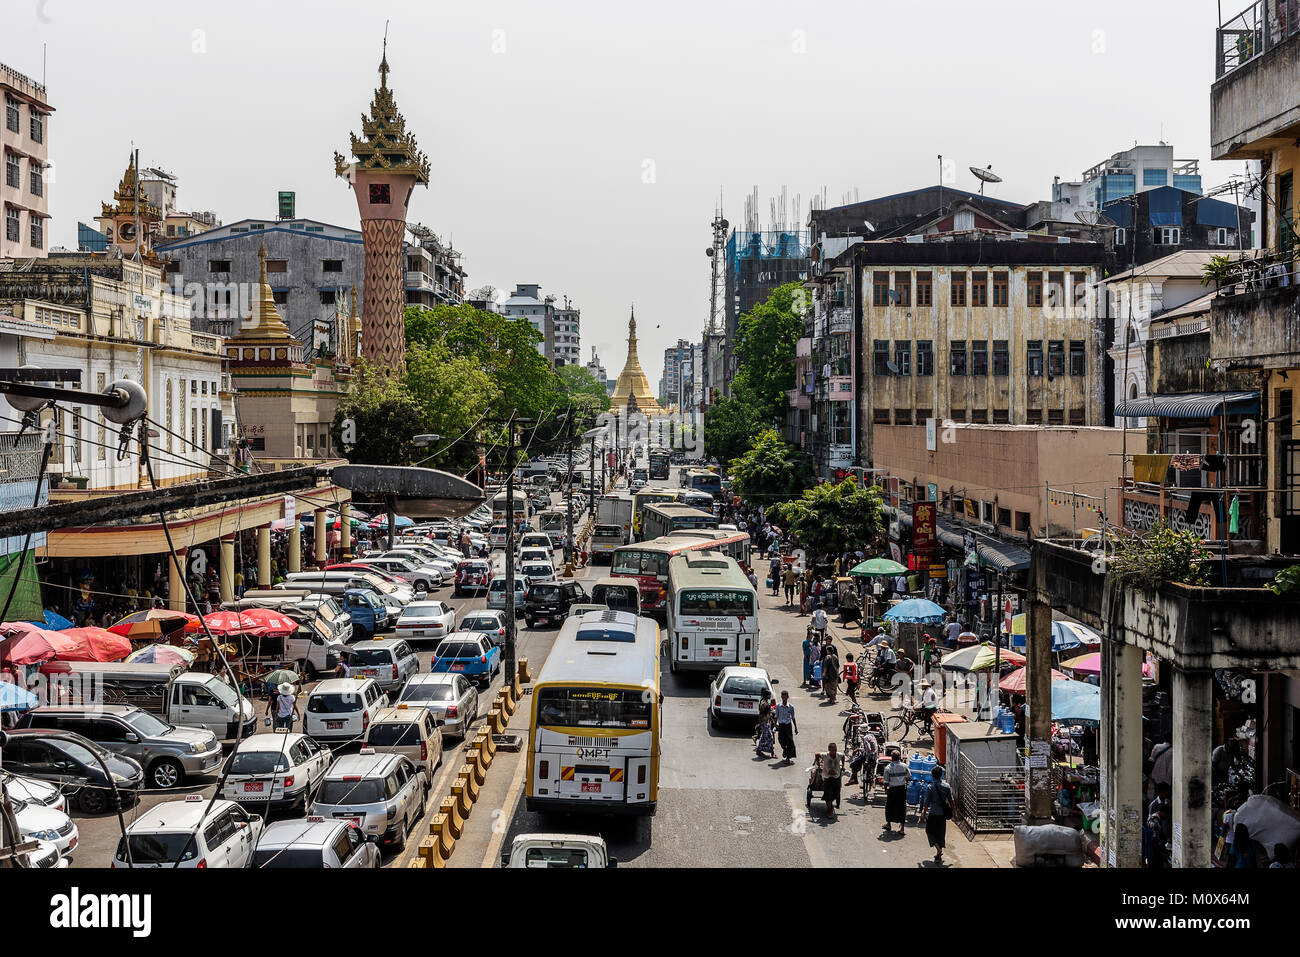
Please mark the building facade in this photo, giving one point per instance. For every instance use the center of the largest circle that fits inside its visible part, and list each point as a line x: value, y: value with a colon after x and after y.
x: 434, y: 274
x: 568, y: 335
x: 25, y: 144
x: 526, y: 303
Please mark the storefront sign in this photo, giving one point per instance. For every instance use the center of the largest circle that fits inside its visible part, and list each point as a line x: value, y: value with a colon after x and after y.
x: 969, y: 541
x: 974, y: 585
x: 840, y: 456
x: 895, y: 552
x: 932, y: 492
x: 938, y: 571
x: 923, y: 527
x: 931, y: 436
x: 1006, y: 616
x: 289, y: 515
x: 893, y: 491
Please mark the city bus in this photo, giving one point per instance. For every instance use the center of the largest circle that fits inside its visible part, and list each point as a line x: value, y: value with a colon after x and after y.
x: 593, y: 744
x: 523, y: 511
x: 647, y: 562
x: 663, y: 518
x: 702, y: 480
x: 731, y: 543
x: 649, y: 496
x: 712, y: 613
x: 660, y: 459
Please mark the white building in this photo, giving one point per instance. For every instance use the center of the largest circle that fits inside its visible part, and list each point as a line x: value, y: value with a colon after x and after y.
x: 526, y: 303
x: 568, y: 335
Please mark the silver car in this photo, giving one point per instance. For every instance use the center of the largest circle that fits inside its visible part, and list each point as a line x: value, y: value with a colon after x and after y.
x: 450, y: 698
x: 314, y: 842
x: 382, y: 794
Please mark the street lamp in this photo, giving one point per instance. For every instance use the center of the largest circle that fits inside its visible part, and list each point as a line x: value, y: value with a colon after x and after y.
x: 420, y: 441
x: 591, y: 435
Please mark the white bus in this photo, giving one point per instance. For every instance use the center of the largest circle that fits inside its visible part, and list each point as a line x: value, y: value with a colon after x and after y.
x: 712, y: 613
x: 593, y: 745
x: 523, y: 512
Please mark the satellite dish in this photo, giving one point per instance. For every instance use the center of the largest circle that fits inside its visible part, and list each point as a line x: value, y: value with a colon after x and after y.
x: 893, y: 369
x: 985, y: 176
x: 725, y: 224
x: 1090, y: 217
x: 871, y: 227
x: 709, y: 252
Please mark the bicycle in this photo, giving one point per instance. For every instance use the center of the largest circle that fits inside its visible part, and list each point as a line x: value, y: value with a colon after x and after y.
x: 902, y: 723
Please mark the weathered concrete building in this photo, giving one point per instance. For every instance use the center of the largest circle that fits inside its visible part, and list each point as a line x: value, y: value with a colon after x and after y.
x: 25, y: 145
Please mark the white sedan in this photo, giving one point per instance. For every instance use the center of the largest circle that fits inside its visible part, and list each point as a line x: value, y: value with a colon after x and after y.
x: 533, y: 572
x: 41, y: 822
x: 736, y: 692
x: 426, y: 619
x: 485, y: 622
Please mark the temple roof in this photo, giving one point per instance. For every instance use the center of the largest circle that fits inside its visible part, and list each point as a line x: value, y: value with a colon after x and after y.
x: 633, y: 388
x: 385, y: 145
x: 125, y: 198
x: 265, y: 322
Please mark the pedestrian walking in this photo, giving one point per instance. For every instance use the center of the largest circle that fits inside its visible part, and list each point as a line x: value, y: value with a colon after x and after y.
x: 285, y: 704
x: 807, y: 657
x: 896, y: 794
x: 819, y: 622
x: 850, y: 676
x: 774, y: 575
x: 765, y: 737
x: 832, y: 767
x: 786, y: 727
x: 788, y: 578
x: 830, y: 672
x: 936, y: 808
x: 817, y: 665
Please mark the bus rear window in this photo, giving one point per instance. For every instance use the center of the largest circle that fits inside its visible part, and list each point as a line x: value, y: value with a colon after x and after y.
x: 616, y: 597
x: 593, y: 707
x: 633, y: 562
x: 715, y: 602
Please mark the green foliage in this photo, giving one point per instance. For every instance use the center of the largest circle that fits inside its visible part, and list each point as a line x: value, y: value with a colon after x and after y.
x: 1162, y: 555
x: 452, y: 394
x: 771, y: 470
x: 731, y: 424
x: 1220, y: 271
x: 1285, y: 581
x: 585, y: 394
x: 831, y: 518
x: 766, y: 341
x: 382, y: 416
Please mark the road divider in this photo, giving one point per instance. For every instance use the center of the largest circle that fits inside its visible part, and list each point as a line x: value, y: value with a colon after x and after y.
x: 460, y: 794
x: 522, y: 674
x: 468, y: 780
x: 449, y: 809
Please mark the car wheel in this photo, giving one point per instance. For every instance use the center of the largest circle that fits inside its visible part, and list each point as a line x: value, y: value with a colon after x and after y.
x: 713, y: 718
x: 166, y: 773
x: 92, y: 800
x: 399, y: 841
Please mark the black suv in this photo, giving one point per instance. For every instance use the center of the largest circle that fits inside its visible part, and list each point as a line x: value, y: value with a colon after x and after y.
x: 551, y: 601
x: 73, y: 765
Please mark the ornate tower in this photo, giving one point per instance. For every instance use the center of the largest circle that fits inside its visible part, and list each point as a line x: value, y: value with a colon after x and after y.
x: 387, y: 167
x: 633, y: 390
x: 130, y: 206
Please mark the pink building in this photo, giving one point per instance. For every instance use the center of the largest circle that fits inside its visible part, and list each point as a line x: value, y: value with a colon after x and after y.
x: 24, y: 140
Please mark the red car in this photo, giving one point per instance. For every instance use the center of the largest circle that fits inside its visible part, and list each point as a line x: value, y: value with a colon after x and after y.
x: 472, y: 573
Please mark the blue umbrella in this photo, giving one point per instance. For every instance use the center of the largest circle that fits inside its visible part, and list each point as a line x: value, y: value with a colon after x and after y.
x: 1076, y: 701
x: 1066, y: 635
x: 14, y: 698
x: 53, y: 621
x: 917, y: 610
x: 401, y: 521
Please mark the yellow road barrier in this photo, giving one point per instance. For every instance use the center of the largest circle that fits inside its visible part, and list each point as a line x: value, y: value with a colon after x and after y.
x: 444, y: 841
x: 464, y: 803
x: 450, y: 810
x: 475, y: 764
x: 523, y: 671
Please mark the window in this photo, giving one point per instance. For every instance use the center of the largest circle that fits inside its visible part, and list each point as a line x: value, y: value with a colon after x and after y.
x: 921, y: 416
x: 1033, y: 416
x: 1221, y: 236
x: 1056, y: 290
x: 11, y: 114
x: 880, y: 356
x: 923, y: 289
x: 1001, y: 417
x: 331, y: 265
x: 1022, y: 522
x: 1080, y: 281
x: 1077, y: 416
x: 1167, y: 235
x: 1004, y: 518
x: 1034, y: 357
x: 38, y: 232
x: 13, y: 171
x: 979, y: 289
x: 979, y: 358
x: 957, y: 291
x: 957, y: 415
x: 880, y: 417
x: 277, y: 265
x: 880, y: 289
x: 1121, y: 237
x: 194, y: 387
x: 979, y: 416
x: 13, y: 225
x: 1155, y: 177
x: 957, y: 357
x: 379, y: 194
x: 327, y: 297
x: 924, y: 357
x: 902, y: 417
x: 903, y: 288
x: 37, y: 180
x: 1033, y: 289
x: 1056, y: 417
x: 1000, y: 287
x: 281, y: 297
x: 38, y: 127
x: 219, y: 265
x: 258, y: 444
x: 903, y: 356
x: 1001, y: 357
x: 1056, y: 358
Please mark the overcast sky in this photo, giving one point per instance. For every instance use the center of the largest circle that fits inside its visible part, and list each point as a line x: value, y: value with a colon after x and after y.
x: 583, y: 145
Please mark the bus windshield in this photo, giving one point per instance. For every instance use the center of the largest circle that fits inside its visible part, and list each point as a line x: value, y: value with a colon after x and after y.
x: 632, y: 561
x: 708, y: 482
x: 699, y: 601
x: 593, y: 707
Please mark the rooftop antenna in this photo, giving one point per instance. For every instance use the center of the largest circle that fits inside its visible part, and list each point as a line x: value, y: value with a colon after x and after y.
x: 985, y: 175
x: 1091, y: 217
x: 940, y: 182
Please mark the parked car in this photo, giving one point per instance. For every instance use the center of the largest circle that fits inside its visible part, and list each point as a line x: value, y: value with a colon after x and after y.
x: 497, y: 537
x: 369, y: 614
x: 496, y: 598
x: 534, y: 572
x: 557, y: 850
x: 33, y: 791
x: 426, y: 619
x: 450, y: 698
x: 46, y: 855
x: 420, y: 577
x: 167, y: 753
x: 490, y: 623
x: 533, y: 555
x: 469, y: 654
x: 410, y: 730
x: 535, y: 540
x: 275, y: 770
x: 314, y: 842
x: 338, y: 710
x: 166, y: 834
x: 390, y: 661
x: 75, y: 765
x: 735, y: 692
x: 549, y: 601
x: 382, y: 794
x: 472, y: 574
x: 39, y: 822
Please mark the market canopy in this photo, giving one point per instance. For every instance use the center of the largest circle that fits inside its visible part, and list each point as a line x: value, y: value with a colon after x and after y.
x: 916, y: 610
x: 96, y: 644
x: 1065, y: 634
x: 161, y: 654
x: 1014, y: 683
x: 53, y: 621
x: 232, y: 623
x: 878, y: 566
x: 978, y: 658
x: 1190, y: 405
x: 1076, y: 701
x: 153, y: 622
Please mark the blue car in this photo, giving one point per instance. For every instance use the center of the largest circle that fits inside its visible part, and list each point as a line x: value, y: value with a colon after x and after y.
x: 467, y: 653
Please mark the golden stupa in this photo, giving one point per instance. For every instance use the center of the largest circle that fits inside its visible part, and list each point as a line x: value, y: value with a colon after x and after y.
x: 633, y: 389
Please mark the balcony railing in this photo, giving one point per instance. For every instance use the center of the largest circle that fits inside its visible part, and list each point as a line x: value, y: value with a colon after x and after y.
x: 1253, y: 32
x: 841, y: 319
x: 1144, y: 504
x: 1270, y: 271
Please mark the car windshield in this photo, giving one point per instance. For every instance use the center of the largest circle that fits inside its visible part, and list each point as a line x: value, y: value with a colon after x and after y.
x: 617, y: 597
x: 148, y: 725
x: 334, y: 703
x: 77, y: 751
x: 372, y: 656
x: 393, y: 734
x: 544, y: 592
x: 538, y: 570
x: 288, y: 857
x: 258, y: 762
x: 457, y: 649
x: 428, y: 692
x: 609, y: 531
x: 480, y: 623
x: 714, y: 602
x: 744, y: 684
x: 632, y: 561
x: 158, y: 848
x: 594, y: 707
x: 223, y: 692
x: 428, y: 609
x: 338, y: 792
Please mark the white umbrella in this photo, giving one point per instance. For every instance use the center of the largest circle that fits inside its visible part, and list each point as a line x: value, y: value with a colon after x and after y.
x: 1268, y: 821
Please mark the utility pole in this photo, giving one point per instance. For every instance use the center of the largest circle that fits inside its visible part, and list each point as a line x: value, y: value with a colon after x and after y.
x: 568, y: 501
x: 591, y: 479
x: 511, y: 666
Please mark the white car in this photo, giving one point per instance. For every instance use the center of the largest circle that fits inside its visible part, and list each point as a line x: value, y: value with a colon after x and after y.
x: 425, y: 557
x: 497, y: 537
x: 419, y: 577
x: 47, y: 855
x: 426, y: 619
x: 340, y: 709
x: 535, y: 540
x: 40, y: 822
x: 314, y: 842
x: 558, y: 850
x: 167, y: 831
x: 736, y: 691
x: 33, y: 791
x: 382, y: 794
x: 533, y: 572
x: 450, y: 698
x: 533, y: 554
x: 275, y: 769
x: 490, y: 623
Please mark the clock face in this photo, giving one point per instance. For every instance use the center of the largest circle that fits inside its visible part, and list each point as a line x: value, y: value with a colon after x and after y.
x: 126, y: 232
x: 379, y: 193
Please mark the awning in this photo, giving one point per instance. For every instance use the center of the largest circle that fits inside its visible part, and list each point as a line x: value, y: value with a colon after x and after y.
x: 1213, y: 212
x: 1003, y: 557
x: 1191, y: 405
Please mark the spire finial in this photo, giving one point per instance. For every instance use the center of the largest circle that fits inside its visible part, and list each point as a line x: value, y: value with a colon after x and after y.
x: 383, y: 61
x: 261, y: 261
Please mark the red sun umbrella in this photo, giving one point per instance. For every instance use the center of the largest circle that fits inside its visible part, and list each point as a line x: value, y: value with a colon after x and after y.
x: 274, y: 622
x: 153, y: 622
x: 1015, y: 681
x: 232, y: 623
x: 96, y: 644
x: 28, y: 645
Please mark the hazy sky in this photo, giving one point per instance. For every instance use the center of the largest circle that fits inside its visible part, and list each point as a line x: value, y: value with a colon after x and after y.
x: 582, y: 145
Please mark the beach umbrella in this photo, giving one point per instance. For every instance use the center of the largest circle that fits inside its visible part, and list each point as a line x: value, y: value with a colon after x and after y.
x: 978, y: 658
x: 153, y: 622
x: 161, y: 654
x: 279, y: 677
x: 232, y: 623
x: 917, y: 610
x: 25, y: 644
x: 1076, y: 701
x: 95, y: 644
x: 878, y: 566
x: 14, y: 698
x: 1065, y: 634
x: 1015, y: 681
x: 272, y: 621
x: 53, y: 621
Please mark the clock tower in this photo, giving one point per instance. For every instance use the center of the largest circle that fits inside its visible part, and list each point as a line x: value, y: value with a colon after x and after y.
x: 387, y: 168
x: 131, y: 217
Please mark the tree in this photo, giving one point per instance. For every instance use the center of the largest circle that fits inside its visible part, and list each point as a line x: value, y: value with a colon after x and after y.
x: 376, y: 420
x: 452, y: 395
x: 730, y: 424
x: 1162, y: 555
x: 770, y: 471
x: 830, y: 518
x: 585, y: 393
x: 767, y: 338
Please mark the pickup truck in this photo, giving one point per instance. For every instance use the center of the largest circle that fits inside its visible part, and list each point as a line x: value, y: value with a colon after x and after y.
x: 558, y: 850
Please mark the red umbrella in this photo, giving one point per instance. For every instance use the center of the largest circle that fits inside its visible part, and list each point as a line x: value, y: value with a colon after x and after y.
x: 1015, y: 681
x: 274, y: 622
x: 96, y: 644
x: 28, y: 645
x: 153, y: 622
x: 232, y: 623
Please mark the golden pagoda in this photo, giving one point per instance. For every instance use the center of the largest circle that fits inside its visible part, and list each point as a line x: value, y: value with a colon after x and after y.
x: 263, y: 338
x: 633, y: 389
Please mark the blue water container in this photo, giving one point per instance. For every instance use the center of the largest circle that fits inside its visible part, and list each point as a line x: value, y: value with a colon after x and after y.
x: 919, y: 766
x: 915, y: 788
x: 1006, y: 721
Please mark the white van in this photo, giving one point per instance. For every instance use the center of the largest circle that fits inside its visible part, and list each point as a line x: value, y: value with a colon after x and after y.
x: 165, y: 834
x: 339, y: 710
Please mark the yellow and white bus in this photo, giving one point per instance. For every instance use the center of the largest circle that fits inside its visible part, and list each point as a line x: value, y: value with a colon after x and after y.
x: 593, y: 745
x: 663, y: 518
x: 712, y: 613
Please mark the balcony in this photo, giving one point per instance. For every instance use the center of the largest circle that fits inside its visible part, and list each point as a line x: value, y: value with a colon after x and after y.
x: 1255, y: 100
x: 841, y: 320
x: 1254, y: 322
x: 1143, y: 504
x: 803, y: 348
x: 422, y: 281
